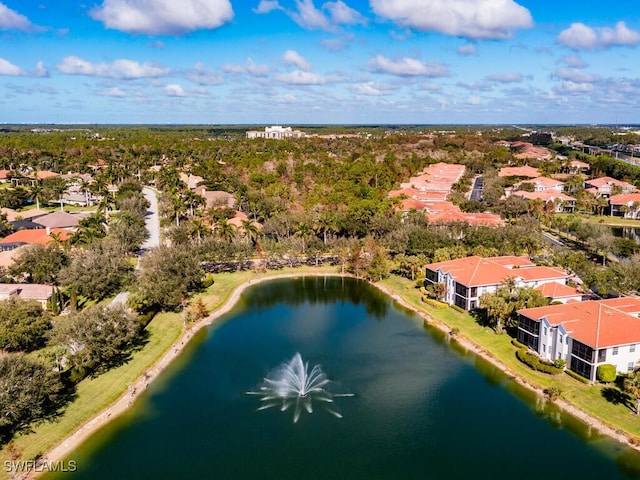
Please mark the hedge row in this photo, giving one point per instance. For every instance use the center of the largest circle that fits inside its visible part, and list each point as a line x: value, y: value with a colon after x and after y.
x: 459, y: 309
x: 516, y: 343
x: 534, y: 362
x: 434, y: 303
x: 573, y: 374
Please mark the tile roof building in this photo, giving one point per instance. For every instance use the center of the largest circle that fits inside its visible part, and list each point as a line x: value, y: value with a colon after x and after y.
x: 585, y: 334
x: 466, y: 279
x: 27, y: 291
x: 525, y: 171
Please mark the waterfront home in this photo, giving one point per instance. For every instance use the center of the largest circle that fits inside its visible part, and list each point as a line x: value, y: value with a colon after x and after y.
x: 625, y: 205
x: 585, y: 334
x: 607, y: 186
x: 27, y: 291
x: 466, y: 279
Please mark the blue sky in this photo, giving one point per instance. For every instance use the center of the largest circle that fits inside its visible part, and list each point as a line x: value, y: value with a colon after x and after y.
x: 314, y: 61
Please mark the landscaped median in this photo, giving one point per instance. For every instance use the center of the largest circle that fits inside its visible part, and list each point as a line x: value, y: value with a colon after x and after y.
x: 94, y: 395
x: 591, y: 399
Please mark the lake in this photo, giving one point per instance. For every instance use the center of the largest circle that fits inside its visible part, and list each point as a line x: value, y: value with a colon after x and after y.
x: 422, y: 408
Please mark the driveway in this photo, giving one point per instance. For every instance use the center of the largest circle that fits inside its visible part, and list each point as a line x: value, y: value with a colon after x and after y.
x: 152, y: 220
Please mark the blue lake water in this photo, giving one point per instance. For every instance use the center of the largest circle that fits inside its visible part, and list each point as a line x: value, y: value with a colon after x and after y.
x: 422, y: 407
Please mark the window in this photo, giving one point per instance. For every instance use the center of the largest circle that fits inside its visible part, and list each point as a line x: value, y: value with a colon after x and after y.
x: 630, y: 366
x: 582, y: 351
x: 602, y: 355
x: 544, y: 331
x: 544, y: 348
x: 474, y: 291
x: 560, y: 339
x: 614, y: 351
x: 632, y: 348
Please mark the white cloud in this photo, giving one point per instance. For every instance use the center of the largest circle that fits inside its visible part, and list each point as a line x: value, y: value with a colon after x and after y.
x: 474, y: 100
x: 581, y: 37
x: 575, y: 75
x: 119, y: 69
x: 114, y: 92
x: 12, y: 20
x: 204, y: 76
x: 266, y: 6
x: 468, y: 49
x: 368, y: 88
x: 249, y: 68
x: 476, y: 86
x: 329, y: 17
x: 407, y: 67
x: 163, y: 17
x: 505, y: 77
x: 291, y: 57
x: 574, y: 61
x: 40, y: 70
x: 299, y: 77
x: 8, y: 68
x: 342, y: 14
x: 574, y: 88
x: 174, y: 90
x: 476, y: 19
x: 431, y: 87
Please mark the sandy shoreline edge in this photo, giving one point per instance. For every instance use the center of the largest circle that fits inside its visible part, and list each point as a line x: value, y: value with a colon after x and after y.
x: 74, y: 440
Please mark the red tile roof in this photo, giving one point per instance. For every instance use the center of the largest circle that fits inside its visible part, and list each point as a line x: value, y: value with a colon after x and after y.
x: 624, y: 199
x: 593, y: 323
x: 545, y: 195
x: 39, y: 236
x: 455, y: 215
x: 525, y: 171
x: 555, y: 290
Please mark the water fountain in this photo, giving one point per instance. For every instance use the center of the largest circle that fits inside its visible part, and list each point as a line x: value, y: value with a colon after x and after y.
x: 292, y: 385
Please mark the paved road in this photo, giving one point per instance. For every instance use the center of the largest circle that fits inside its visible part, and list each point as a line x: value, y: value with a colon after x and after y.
x: 476, y: 192
x: 152, y: 220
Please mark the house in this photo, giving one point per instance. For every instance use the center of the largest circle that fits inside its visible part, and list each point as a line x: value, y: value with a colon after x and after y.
x: 558, y: 202
x: 42, y: 236
x: 27, y: 291
x: 216, y: 198
x: 543, y: 184
x: 59, y: 220
x: 625, y: 205
x: 454, y: 215
x: 5, y: 175
x: 576, y: 167
x: 607, y: 186
x: 526, y: 171
x: 585, y: 334
x: 438, y: 177
x: 466, y: 279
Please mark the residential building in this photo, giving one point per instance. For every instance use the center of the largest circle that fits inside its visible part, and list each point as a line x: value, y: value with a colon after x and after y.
x: 27, y: 291
x: 466, y: 279
x: 557, y: 202
x: 526, y: 171
x: 543, y: 184
x: 625, y: 205
x: 585, y: 334
x: 607, y: 186
x: 576, y: 166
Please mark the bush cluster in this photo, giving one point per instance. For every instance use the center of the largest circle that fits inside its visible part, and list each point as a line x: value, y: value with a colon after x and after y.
x: 434, y: 303
x: 536, y: 363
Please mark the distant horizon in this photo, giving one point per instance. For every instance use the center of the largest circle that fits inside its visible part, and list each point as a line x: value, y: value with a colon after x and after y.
x: 259, y: 62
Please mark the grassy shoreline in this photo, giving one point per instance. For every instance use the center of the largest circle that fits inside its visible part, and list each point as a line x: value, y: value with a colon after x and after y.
x: 95, y: 395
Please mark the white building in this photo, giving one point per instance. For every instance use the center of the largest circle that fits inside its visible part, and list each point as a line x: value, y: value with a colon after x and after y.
x: 277, y: 132
x: 585, y: 334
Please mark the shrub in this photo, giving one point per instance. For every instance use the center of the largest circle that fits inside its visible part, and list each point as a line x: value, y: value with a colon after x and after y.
x: 454, y: 331
x: 560, y: 363
x: 516, y: 343
x: 573, y: 374
x: 459, y: 309
x: 434, y: 303
x: 553, y: 392
x: 208, y: 281
x: 533, y: 361
x: 606, y: 373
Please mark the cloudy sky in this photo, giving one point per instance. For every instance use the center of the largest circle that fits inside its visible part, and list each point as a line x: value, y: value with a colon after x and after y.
x: 314, y: 61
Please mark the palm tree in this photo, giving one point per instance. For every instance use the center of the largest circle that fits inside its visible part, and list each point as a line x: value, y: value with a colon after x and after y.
x: 631, y: 385
x: 225, y: 230
x: 251, y: 231
x: 36, y: 192
x: 303, y: 231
